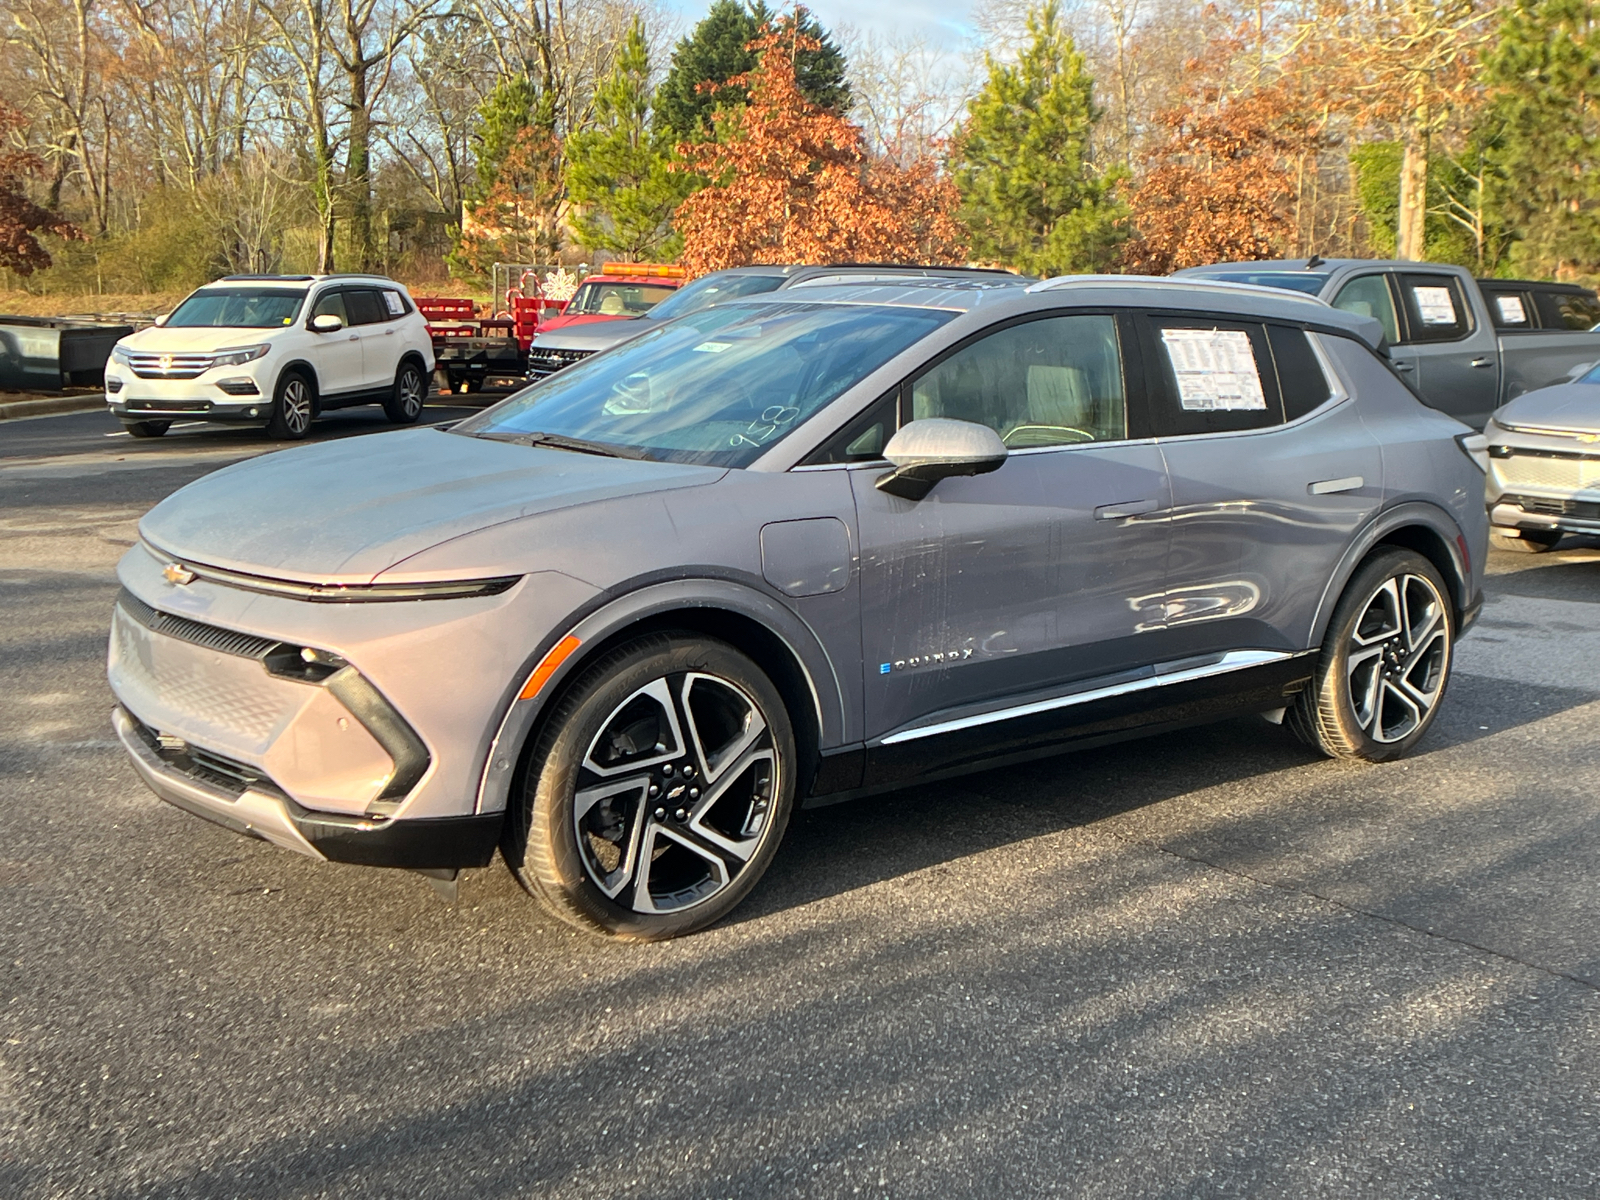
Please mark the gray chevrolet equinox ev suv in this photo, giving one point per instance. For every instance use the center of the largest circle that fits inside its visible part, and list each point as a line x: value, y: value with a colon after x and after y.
x: 791, y: 549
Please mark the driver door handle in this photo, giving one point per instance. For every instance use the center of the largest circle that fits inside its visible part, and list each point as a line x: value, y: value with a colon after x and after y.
x: 1481, y: 362
x: 1405, y: 366
x: 1128, y: 508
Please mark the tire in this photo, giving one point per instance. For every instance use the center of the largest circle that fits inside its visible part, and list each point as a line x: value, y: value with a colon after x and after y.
x: 146, y: 429
x: 588, y: 836
x: 1384, y: 664
x: 405, y: 401
x: 294, y: 404
x: 1527, y: 541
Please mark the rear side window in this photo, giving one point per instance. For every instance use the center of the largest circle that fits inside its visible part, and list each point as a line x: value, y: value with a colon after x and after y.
x: 394, y: 304
x: 1368, y: 296
x: 1435, y: 308
x: 1567, y: 310
x: 1301, y: 380
x: 1509, y: 309
x: 364, y: 306
x: 1213, y: 376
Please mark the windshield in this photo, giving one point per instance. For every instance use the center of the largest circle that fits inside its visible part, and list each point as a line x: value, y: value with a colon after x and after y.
x: 712, y: 289
x: 1309, y: 282
x: 1592, y: 376
x: 716, y: 387
x: 238, y: 308
x: 616, y: 299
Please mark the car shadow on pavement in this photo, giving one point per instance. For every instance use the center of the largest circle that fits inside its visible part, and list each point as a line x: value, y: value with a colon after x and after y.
x: 1562, y: 579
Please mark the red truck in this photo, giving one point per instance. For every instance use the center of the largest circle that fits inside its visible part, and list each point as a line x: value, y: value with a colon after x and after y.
x: 473, y: 350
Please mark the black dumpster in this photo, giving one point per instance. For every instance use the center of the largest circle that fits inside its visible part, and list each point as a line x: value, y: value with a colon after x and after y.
x: 46, y: 354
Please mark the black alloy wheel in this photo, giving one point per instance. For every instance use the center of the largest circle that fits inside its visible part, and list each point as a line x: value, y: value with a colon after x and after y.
x: 658, y: 791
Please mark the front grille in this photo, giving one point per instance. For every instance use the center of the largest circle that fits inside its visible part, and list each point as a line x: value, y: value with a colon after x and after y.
x: 196, y: 633
x: 547, y: 362
x: 1544, y: 506
x: 113, y: 385
x: 204, y: 766
x: 1560, y: 471
x: 169, y: 366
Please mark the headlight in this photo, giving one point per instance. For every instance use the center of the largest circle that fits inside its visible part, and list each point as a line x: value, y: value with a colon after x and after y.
x: 120, y: 354
x: 237, y: 356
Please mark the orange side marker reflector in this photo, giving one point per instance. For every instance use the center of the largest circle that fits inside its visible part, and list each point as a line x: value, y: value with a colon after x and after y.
x: 548, y: 665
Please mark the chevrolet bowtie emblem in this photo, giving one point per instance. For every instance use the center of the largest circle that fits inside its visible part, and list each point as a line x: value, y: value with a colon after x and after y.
x: 178, y: 574
x: 166, y: 362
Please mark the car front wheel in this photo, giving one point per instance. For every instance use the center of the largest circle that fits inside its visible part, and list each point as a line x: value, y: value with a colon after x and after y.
x: 292, y: 408
x: 146, y: 429
x: 658, y: 791
x: 1385, y: 662
x: 404, y: 404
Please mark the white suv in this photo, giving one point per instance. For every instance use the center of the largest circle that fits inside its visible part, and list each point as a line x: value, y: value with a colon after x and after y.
x: 274, y: 350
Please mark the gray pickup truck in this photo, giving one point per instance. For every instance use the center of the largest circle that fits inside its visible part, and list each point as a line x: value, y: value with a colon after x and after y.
x: 1466, y: 347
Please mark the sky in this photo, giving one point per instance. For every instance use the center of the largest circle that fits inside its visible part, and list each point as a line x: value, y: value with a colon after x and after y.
x: 942, y: 25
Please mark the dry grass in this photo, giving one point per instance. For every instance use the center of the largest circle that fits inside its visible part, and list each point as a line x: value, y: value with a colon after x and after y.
x: 25, y: 304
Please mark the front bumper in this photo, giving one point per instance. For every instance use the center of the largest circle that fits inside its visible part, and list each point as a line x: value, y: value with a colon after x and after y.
x: 130, y: 398
x: 260, y: 811
x: 1543, y: 482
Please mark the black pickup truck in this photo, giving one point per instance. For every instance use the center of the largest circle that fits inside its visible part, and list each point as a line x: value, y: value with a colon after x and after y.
x: 1466, y: 345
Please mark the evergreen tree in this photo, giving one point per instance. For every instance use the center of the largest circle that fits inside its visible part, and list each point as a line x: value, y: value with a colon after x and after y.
x: 619, y: 172
x: 506, y: 111
x: 1031, y: 195
x: 1545, y: 72
x: 717, y: 50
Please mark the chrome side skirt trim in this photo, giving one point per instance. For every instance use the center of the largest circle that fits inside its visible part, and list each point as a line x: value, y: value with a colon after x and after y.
x: 1234, y: 660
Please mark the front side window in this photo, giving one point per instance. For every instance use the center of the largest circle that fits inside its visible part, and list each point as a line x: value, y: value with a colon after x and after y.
x: 616, y: 299
x: 720, y: 386
x: 238, y: 308
x: 331, y: 304
x: 1568, y: 310
x: 1435, y: 309
x: 1368, y: 296
x: 1050, y: 382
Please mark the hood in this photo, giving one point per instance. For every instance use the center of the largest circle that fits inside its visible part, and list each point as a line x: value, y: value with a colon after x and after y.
x: 1566, y: 406
x: 591, y: 335
x: 555, y: 323
x: 198, y: 339
x: 344, y: 511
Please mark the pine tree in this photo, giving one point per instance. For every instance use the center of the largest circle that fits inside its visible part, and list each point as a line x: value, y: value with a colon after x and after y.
x: 1545, y: 72
x: 717, y: 50
x: 619, y: 171
x: 1031, y: 195
x: 505, y: 112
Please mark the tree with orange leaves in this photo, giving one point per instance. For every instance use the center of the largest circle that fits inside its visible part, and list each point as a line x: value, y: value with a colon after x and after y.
x: 793, y: 183
x: 20, y: 218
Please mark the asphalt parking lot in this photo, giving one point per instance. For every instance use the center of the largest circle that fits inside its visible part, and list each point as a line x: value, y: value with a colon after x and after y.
x: 1205, y: 965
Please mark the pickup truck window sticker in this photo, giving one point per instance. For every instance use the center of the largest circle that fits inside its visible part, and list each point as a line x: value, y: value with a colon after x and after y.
x: 1511, y: 310
x: 1436, y: 306
x: 1215, y: 368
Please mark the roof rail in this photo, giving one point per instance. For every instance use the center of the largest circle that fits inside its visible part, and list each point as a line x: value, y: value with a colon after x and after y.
x: 1166, y: 281
x: 265, y: 278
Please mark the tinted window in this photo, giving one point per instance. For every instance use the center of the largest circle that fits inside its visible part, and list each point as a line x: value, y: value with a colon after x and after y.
x: 364, y: 306
x: 863, y: 439
x: 1215, y: 376
x: 712, y: 289
x: 719, y: 386
x: 237, y: 308
x: 331, y: 304
x: 1368, y: 296
x: 1309, y: 282
x: 1051, y: 382
x: 1435, y: 308
x: 1509, y: 309
x: 1301, y: 381
x: 1567, y: 310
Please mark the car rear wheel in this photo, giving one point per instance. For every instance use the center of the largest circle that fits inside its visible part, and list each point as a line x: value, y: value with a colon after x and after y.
x: 404, y: 404
x: 1526, y: 541
x: 293, y: 406
x: 146, y: 429
x: 1385, y: 662
x: 658, y: 791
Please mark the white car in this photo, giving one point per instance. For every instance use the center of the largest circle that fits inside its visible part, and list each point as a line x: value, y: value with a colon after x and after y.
x: 274, y: 350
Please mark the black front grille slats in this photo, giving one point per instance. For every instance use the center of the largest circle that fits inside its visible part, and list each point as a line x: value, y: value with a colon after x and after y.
x: 1546, y: 506
x: 244, y: 645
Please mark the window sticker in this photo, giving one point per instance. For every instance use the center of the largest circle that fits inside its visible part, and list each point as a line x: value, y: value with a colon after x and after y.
x: 1216, y: 369
x: 711, y: 347
x: 392, y: 299
x: 1511, y: 310
x: 1435, y: 305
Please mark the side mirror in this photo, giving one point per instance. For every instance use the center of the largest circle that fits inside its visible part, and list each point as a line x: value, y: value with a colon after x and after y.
x: 326, y: 323
x: 936, y: 448
x: 161, y: 320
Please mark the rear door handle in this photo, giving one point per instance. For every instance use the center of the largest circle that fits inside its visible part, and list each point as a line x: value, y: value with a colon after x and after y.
x: 1481, y: 362
x: 1405, y: 366
x: 1327, y: 487
x: 1129, y: 508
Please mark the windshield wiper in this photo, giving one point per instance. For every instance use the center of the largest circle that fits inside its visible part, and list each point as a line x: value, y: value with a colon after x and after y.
x: 560, y: 441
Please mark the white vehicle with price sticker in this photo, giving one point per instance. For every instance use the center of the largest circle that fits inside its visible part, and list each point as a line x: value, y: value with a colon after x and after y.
x: 276, y: 351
